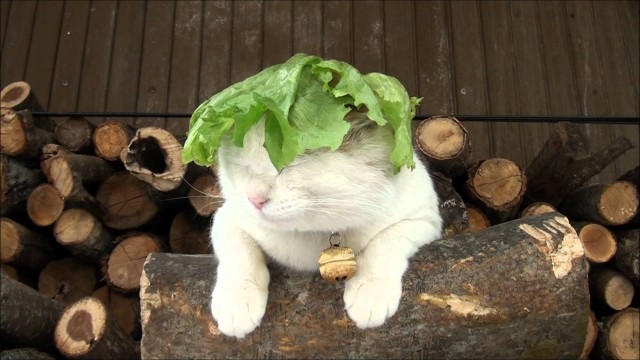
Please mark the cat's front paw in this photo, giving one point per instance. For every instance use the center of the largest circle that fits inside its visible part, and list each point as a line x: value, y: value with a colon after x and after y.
x: 238, y: 309
x: 371, y: 300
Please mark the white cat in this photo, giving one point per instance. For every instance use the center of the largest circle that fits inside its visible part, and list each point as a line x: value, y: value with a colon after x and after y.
x: 289, y: 216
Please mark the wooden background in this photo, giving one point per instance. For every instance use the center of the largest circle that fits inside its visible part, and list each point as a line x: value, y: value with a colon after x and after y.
x: 467, y: 57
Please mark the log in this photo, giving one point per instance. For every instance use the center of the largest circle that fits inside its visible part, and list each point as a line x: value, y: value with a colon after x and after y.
x: 452, y: 207
x: 68, y: 172
x: 18, y: 96
x: 124, y: 266
x: 20, y: 136
x: 205, y: 196
x: 592, y: 336
x: 28, y: 318
x: 24, y: 354
x: 86, y: 330
x: 565, y: 163
x: 67, y: 280
x: 154, y: 155
x: 497, y: 187
x: 515, y: 290
x: 18, y: 178
x: 10, y: 271
x: 23, y: 247
x: 189, y: 234
x: 45, y: 205
x: 477, y: 219
x: 627, y: 258
x: 125, y: 202
x: 610, y: 287
x: 125, y: 309
x: 598, y: 242
x: 619, y: 335
x: 632, y: 176
x: 608, y: 204
x: 537, y: 208
x: 445, y: 144
x: 83, y: 234
x: 110, y: 138
x: 75, y: 134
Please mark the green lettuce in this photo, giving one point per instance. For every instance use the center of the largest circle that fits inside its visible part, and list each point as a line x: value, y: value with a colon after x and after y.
x: 304, y: 102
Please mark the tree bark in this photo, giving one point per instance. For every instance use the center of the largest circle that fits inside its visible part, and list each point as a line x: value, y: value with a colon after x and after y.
x: 110, y: 138
x: 125, y: 262
x: 515, y: 290
x: 627, y: 258
x: 452, y: 207
x: 28, y: 318
x: 610, y: 287
x: 125, y: 202
x: 565, y: 163
x: 445, y: 144
x: 125, y: 309
x: 84, y: 235
x: 497, y: 187
x: 45, y: 205
x: 608, y: 204
x: 189, y: 234
x: 155, y: 156
x: 67, y: 280
x: 632, y: 176
x: 537, y: 208
x: 18, y: 178
x: 75, y: 134
x: 619, y: 335
x: 205, y: 196
x: 86, y: 330
x: 23, y: 247
x: 598, y: 242
x: 25, y: 353
x: 20, y: 135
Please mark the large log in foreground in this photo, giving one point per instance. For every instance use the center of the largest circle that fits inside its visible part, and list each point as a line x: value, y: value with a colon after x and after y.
x: 515, y: 290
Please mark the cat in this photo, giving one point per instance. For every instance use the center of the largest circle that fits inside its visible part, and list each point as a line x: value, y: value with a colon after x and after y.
x: 289, y: 216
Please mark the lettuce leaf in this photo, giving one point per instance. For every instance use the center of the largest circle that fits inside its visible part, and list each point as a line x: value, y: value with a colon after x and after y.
x: 304, y: 102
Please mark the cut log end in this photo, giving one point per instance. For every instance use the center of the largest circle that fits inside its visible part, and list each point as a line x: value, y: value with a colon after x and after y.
x: 125, y: 263
x: 592, y: 336
x: 611, y: 287
x: 44, y: 205
x: 13, y: 139
x: 537, y: 208
x: 125, y: 202
x: 124, y: 309
x: 67, y: 280
x: 598, y: 242
x: 80, y: 326
x: 186, y: 236
x: 10, y: 246
x: 498, y: 182
x: 74, y: 134
x: 16, y: 95
x: 74, y: 227
x: 110, y: 138
x: 619, y: 339
x: 477, y: 220
x: 205, y: 195
x: 441, y: 137
x: 619, y: 202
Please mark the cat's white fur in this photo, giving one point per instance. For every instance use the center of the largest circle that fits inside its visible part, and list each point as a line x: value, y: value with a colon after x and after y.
x: 383, y: 217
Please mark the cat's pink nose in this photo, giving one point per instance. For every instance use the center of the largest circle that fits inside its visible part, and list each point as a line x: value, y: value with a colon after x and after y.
x: 258, y: 201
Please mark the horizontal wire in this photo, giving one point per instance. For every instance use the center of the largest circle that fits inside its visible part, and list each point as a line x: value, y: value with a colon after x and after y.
x: 609, y: 120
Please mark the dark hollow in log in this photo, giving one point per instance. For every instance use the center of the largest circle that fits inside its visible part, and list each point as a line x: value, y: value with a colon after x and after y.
x: 189, y: 234
x: 515, y: 290
x: 619, y: 335
x: 592, y: 336
x: 75, y: 134
x: 155, y: 156
x: 599, y: 243
x: 627, y: 258
x: 67, y: 280
x: 28, y: 318
x: 125, y: 202
x: 24, y: 354
x: 496, y: 186
x: 45, y: 205
x: 23, y: 247
x: 124, y: 266
x: 86, y: 330
x: 18, y: 178
x: 83, y: 234
x: 452, y: 207
x: 565, y: 163
x: 204, y: 195
x: 537, y: 208
x: 610, y: 287
x: 445, y: 144
x: 125, y: 309
x: 608, y: 204
x: 477, y: 219
x: 19, y: 135
x: 110, y: 138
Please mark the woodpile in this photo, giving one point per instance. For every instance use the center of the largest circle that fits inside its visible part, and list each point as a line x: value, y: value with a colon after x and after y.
x: 105, y: 238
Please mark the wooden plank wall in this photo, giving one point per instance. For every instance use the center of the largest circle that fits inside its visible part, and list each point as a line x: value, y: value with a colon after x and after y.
x: 463, y: 57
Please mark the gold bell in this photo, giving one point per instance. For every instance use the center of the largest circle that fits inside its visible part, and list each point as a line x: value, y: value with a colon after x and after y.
x: 337, y: 263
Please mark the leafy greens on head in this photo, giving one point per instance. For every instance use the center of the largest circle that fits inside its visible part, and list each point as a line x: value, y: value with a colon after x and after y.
x: 304, y: 102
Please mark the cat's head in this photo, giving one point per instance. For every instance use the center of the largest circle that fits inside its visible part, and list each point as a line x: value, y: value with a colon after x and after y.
x: 321, y: 190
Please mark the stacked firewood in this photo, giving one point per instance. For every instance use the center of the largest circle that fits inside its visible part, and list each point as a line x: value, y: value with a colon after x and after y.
x: 81, y: 208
